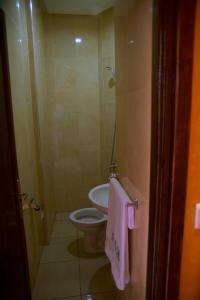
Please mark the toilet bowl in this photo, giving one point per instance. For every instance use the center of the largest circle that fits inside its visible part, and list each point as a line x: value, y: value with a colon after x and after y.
x: 93, y: 223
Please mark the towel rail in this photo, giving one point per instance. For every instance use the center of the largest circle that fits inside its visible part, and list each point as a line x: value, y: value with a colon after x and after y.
x: 133, y: 202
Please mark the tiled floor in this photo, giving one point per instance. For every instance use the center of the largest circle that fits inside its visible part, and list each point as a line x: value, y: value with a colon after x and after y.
x: 66, y: 272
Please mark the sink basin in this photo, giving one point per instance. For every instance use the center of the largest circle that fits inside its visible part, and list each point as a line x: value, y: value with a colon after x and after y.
x: 99, y: 197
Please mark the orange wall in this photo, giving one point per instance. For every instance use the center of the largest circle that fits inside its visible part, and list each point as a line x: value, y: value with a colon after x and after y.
x: 190, y: 273
x: 133, y: 21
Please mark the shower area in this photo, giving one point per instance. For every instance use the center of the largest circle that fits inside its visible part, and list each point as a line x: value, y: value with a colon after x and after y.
x: 80, y: 104
x: 63, y: 92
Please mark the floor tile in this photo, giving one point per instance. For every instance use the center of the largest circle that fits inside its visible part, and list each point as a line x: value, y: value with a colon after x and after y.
x: 69, y: 298
x: 62, y: 240
x: 57, y: 280
x: 101, y: 296
x: 96, y: 276
x: 63, y: 229
x: 64, y: 250
x: 62, y: 216
x: 83, y: 254
x: 80, y: 234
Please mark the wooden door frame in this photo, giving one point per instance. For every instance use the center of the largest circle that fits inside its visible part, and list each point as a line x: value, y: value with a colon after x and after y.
x: 25, y: 288
x: 173, y: 38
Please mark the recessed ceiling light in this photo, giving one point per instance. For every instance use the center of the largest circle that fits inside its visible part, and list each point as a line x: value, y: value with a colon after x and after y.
x: 78, y: 40
x: 31, y: 6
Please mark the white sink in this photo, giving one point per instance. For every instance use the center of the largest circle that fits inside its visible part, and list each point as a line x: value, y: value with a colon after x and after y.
x: 99, y: 197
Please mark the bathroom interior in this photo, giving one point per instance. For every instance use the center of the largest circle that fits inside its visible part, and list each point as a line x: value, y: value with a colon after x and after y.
x: 80, y: 74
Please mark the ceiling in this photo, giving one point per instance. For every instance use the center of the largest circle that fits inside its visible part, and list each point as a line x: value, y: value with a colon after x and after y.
x: 77, y: 7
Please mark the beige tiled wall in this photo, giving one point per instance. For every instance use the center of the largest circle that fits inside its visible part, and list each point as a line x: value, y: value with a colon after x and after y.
x: 40, y: 109
x: 28, y: 164
x: 73, y: 107
x: 106, y: 87
x: 81, y: 104
x: 133, y: 95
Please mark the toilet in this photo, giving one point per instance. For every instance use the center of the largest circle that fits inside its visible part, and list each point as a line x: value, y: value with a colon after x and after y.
x: 93, y: 223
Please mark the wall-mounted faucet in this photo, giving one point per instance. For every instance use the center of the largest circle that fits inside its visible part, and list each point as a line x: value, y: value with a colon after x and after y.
x: 113, y: 169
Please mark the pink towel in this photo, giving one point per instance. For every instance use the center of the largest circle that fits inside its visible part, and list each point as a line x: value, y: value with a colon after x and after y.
x: 120, y: 218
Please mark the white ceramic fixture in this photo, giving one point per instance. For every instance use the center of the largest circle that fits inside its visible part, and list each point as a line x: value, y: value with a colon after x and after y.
x: 93, y: 223
x: 99, y: 197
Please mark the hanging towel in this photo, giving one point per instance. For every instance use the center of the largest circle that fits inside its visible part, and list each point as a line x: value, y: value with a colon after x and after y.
x: 120, y: 218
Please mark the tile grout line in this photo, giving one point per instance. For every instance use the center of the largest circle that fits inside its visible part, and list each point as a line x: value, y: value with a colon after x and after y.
x: 63, y: 298
x: 59, y: 261
x: 79, y: 265
x: 54, y: 241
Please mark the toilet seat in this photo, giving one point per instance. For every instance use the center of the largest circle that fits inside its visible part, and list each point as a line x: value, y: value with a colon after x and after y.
x: 88, y: 216
x: 93, y: 223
